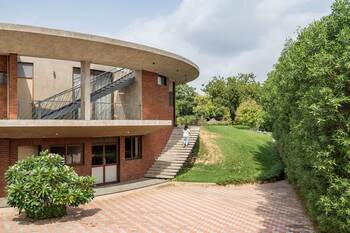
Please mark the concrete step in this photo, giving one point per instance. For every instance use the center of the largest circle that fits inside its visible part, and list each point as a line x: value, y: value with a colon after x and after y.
x: 159, y: 176
x: 159, y: 166
x: 163, y: 170
x: 174, y: 155
x: 165, y: 173
x: 169, y: 163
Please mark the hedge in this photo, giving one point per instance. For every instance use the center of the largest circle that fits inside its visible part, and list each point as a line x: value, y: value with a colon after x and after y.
x: 307, y: 97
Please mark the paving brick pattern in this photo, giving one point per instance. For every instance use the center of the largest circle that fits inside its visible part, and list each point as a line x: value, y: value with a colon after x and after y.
x: 179, y: 208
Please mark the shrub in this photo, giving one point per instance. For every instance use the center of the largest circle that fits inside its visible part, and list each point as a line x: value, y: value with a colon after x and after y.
x: 44, y: 186
x: 249, y: 113
x: 308, y: 100
x: 187, y: 120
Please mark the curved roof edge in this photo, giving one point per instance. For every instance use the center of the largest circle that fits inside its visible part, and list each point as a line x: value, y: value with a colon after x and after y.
x: 66, y: 45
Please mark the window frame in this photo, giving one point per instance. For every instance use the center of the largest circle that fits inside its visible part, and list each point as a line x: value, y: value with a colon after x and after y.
x: 132, y: 153
x: 162, y: 80
x: 81, y: 145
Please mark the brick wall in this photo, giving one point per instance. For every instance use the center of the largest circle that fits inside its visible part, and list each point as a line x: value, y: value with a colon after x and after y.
x: 3, y: 89
x: 155, y: 106
x: 4, y: 163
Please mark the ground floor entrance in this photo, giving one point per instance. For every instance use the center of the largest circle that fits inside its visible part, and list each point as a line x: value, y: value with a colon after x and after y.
x: 105, y: 162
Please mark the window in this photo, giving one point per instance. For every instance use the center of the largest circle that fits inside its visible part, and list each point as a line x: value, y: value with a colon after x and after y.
x: 162, y: 80
x: 133, y: 147
x: 97, y: 155
x: 104, y: 154
x: 24, y: 70
x: 73, y: 154
x: 3, y: 78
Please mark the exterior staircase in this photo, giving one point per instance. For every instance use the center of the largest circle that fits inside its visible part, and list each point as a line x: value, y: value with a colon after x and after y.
x: 174, y: 155
x: 66, y: 102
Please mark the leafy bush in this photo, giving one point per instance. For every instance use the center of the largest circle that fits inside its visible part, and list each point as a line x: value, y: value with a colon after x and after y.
x: 249, y: 113
x: 307, y: 96
x: 187, y: 120
x: 44, y: 186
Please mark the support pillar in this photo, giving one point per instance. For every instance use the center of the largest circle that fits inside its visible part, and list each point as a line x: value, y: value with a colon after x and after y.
x: 12, y: 87
x: 85, y: 104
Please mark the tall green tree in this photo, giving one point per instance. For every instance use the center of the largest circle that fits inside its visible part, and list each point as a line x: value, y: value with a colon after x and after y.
x: 185, y: 96
x: 307, y: 97
x: 231, y: 91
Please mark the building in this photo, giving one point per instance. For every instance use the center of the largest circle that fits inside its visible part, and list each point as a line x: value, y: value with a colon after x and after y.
x: 107, y: 106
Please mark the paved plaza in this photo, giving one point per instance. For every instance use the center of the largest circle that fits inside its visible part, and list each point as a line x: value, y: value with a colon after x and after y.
x: 179, y: 207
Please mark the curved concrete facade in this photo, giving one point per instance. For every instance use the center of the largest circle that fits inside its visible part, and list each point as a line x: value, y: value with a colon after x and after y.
x: 64, y: 45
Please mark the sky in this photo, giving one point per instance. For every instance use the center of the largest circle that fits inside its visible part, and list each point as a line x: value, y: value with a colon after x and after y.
x: 223, y: 37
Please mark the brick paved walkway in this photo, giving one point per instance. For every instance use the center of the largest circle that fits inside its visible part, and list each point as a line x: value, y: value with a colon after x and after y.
x: 179, y: 208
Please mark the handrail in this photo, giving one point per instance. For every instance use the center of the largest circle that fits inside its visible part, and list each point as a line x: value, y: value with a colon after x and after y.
x: 78, y: 86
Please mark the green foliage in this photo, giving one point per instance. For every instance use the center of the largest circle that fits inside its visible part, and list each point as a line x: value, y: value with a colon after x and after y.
x: 247, y: 156
x: 249, y: 113
x: 187, y: 120
x: 185, y: 95
x: 206, y: 109
x: 44, y: 186
x: 307, y: 98
x: 228, y: 93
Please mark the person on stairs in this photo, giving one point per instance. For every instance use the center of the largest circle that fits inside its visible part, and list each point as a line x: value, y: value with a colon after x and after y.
x: 186, y: 135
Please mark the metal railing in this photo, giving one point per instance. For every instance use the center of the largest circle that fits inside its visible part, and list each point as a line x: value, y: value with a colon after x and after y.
x: 66, y: 104
x: 99, y: 111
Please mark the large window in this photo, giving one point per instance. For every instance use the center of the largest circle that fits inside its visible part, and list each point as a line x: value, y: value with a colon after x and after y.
x: 133, y: 147
x: 104, y: 154
x: 73, y: 154
x: 24, y: 70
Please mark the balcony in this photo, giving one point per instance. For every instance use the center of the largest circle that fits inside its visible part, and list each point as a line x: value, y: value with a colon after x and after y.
x: 99, y: 111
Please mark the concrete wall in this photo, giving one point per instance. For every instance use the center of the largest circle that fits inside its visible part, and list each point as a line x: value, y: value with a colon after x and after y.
x: 127, y: 102
x: 53, y: 76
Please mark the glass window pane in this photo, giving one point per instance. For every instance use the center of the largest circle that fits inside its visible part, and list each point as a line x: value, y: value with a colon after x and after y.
x: 97, y: 155
x: 74, y: 154
x: 111, y: 154
x: 138, y: 147
x: 128, y: 148
x: 24, y: 70
x: 3, y: 78
x: 61, y: 150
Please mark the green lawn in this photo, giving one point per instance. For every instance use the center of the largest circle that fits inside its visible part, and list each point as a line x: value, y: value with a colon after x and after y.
x: 248, y: 156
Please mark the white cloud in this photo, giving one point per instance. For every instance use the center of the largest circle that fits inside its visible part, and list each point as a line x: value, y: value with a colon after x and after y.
x: 226, y: 37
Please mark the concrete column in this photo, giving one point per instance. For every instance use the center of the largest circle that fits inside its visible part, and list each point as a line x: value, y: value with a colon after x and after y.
x: 85, y: 90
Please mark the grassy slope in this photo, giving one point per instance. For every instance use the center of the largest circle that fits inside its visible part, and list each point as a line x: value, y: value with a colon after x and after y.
x: 247, y: 157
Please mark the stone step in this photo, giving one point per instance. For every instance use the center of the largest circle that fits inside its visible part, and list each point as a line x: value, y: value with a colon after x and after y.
x: 164, y: 166
x: 169, y: 163
x: 161, y: 173
x: 153, y: 170
x: 159, y: 176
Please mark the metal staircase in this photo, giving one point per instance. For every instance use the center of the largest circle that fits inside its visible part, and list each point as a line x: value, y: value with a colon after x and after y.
x: 65, y: 105
x: 174, y: 155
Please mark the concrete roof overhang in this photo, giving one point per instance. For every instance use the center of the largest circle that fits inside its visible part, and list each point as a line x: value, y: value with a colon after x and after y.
x: 65, y: 45
x: 16, y: 129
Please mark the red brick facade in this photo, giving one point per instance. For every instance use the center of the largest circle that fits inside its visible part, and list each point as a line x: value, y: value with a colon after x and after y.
x: 3, y: 89
x: 12, y: 87
x: 155, y: 106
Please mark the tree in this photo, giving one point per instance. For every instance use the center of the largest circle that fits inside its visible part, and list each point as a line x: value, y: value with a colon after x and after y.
x: 249, y: 113
x: 185, y: 96
x: 231, y: 91
x: 206, y: 109
x: 307, y: 98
